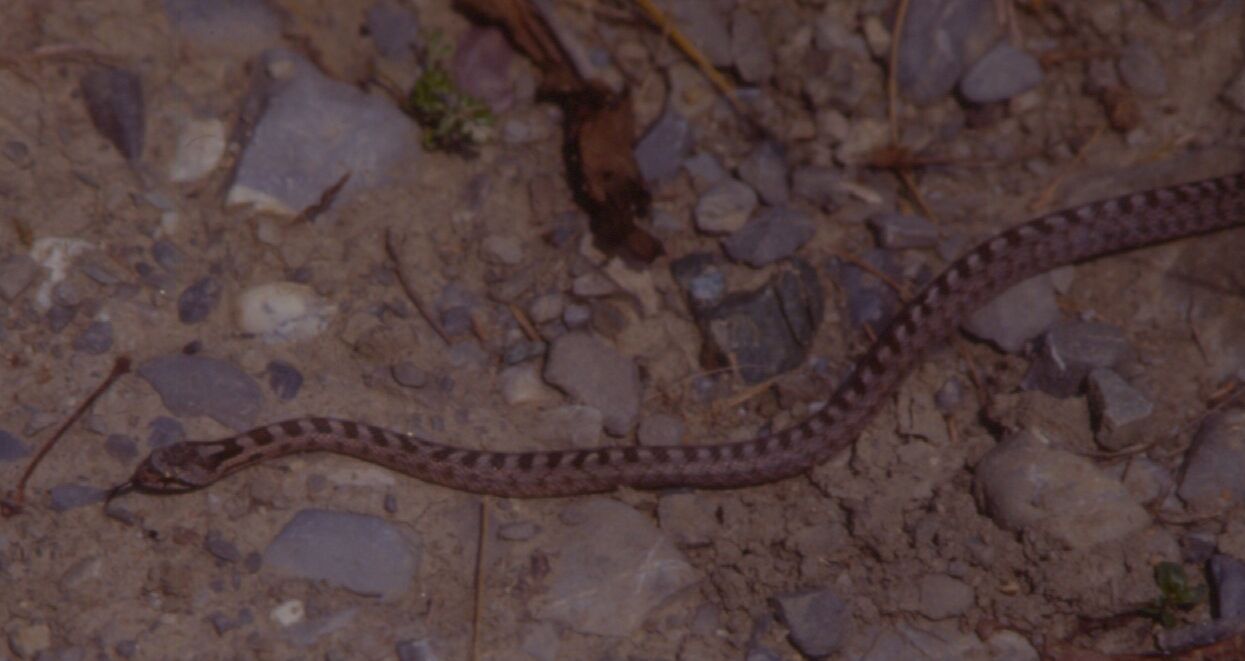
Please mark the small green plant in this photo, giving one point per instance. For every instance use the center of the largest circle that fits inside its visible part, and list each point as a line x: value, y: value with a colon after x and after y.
x: 452, y: 119
x: 1175, y: 594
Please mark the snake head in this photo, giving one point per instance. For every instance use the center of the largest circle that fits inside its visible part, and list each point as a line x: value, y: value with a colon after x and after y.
x: 175, y: 468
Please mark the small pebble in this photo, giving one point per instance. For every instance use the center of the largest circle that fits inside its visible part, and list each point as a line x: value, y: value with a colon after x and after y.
x: 220, y: 547
x: 11, y: 447
x: 163, y: 431
x: 518, y: 532
x: 69, y: 496
x: 284, y: 379
x: 95, y: 339
x: 198, y: 300
x: 121, y: 447
x: 60, y: 316
x: 409, y: 375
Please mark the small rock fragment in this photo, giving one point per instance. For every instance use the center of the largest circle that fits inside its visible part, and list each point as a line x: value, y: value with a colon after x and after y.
x: 819, y: 620
x: 725, y: 207
x: 114, y: 100
x: 774, y: 234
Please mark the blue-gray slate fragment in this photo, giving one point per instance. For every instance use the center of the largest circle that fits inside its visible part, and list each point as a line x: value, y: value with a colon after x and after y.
x: 361, y: 553
x: 11, y: 447
x: 69, y: 496
x: 197, y: 385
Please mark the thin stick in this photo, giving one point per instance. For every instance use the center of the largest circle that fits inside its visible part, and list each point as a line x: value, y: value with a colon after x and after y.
x: 479, y: 580
x: 13, y: 501
x: 409, y: 290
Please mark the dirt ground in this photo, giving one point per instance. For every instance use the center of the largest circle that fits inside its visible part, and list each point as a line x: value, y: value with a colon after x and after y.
x: 871, y: 525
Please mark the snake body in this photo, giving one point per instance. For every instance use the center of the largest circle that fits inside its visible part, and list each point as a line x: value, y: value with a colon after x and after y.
x: 1052, y: 240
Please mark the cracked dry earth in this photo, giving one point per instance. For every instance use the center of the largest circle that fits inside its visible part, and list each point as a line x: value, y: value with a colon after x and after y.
x: 1013, y: 498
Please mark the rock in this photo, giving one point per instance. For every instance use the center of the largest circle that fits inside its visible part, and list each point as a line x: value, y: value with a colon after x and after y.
x: 198, y: 300
x: 820, y: 622
x: 394, y: 30
x: 701, y: 276
x: 16, y: 274
x: 546, y: 308
x: 71, y: 496
x: 662, y: 150
x: 284, y: 380
x: 200, y: 146
x: 749, y: 48
x: 1069, y: 351
x: 928, y: 640
x: 705, y: 171
x: 574, y: 426
x: 765, y: 169
x: 612, y: 567
x: 1019, y: 314
x: 313, y: 132
x: 114, y: 100
x: 220, y: 547
x: 521, y: 384
x: 95, y: 339
x: 163, y: 431
x: 1120, y: 410
x: 28, y: 640
x: 1141, y: 69
x: 121, y: 447
x: 869, y: 299
x: 818, y: 186
x: 196, y: 385
x: 940, y: 39
x: 769, y: 330
x: 725, y: 207
x: 519, y: 531
x: 60, y: 316
x: 11, y: 448
x: 704, y: 26
x: 481, y: 67
x: 943, y: 596
x: 1147, y: 480
x: 358, y: 552
x: 771, y: 235
x: 901, y: 231
x: 1025, y: 484
x: 1003, y: 72
x: 1228, y: 576
x: 596, y: 374
x: 409, y: 375
x: 1214, y: 473
x: 239, y: 28
x: 416, y: 650
x: 283, y: 312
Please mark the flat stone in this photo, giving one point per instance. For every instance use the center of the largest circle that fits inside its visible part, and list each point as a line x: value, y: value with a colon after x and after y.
x: 1214, y: 473
x: 704, y: 26
x: 664, y: 147
x: 1003, y: 72
x: 819, y: 620
x: 597, y: 374
x: 95, y: 339
x: 940, y: 39
x: 1228, y: 575
x: 1025, y: 484
x: 1069, y: 351
x: 11, y: 447
x: 198, y: 300
x: 114, y: 100
x: 358, y: 552
x: 284, y: 380
x: 1019, y: 314
x: 903, y: 231
x: 611, y: 568
x: 749, y: 47
x: 71, y: 496
x: 1141, y: 69
x: 765, y: 169
x: 943, y: 596
x: 1120, y: 410
x: 197, y: 385
x: 773, y: 234
x: 725, y: 207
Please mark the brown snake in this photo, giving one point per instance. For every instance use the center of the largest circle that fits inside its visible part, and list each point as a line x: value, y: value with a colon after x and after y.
x: 1063, y: 237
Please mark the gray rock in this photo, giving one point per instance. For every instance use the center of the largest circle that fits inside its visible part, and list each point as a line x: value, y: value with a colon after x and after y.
x: 769, y: 330
x: 725, y: 207
x: 749, y: 48
x: 242, y: 28
x: 114, y: 100
x: 312, y: 133
x: 596, y: 374
x: 765, y: 169
x: 773, y: 234
x: 1147, y: 481
x: 819, y: 186
x: 1214, y: 473
x: 1228, y: 577
x: 224, y: 624
x: 409, y: 374
x: 1120, y: 410
x: 901, y: 231
x: 705, y: 171
x: 820, y: 622
x: 166, y: 254
x: 70, y: 496
x: 16, y: 274
x: 577, y: 317
x: 198, y: 300
x: 284, y: 380
x: 121, y: 447
x: 940, y: 38
x: 1024, y: 484
x: 394, y: 29
x: 416, y: 650
x: 18, y: 153
x: 196, y: 385
x: 481, y: 67
x: 1000, y: 74
x: 358, y: 552
x: 928, y: 640
x: 611, y: 569
x: 546, y: 308
x: 662, y: 150
x: 701, y: 276
x: 163, y: 431
x: 95, y: 339
x: 943, y: 596
x: 703, y: 25
x: 220, y: 547
x: 11, y: 447
x: 60, y: 316
x: 1070, y: 349
x: 1141, y: 69
x: 1017, y: 315
x: 869, y: 300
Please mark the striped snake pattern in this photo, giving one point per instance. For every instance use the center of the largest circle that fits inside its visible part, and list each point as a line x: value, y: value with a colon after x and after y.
x: 1059, y: 238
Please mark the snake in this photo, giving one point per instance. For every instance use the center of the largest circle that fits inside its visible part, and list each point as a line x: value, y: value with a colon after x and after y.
x: 1063, y: 237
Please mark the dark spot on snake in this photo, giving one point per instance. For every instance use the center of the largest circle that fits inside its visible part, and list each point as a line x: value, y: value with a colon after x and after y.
x: 469, y: 458
x: 689, y: 453
x: 497, y: 460
x: 661, y: 454
x: 715, y: 452
x: 762, y: 444
x: 378, y: 436
x: 350, y: 428
x: 631, y: 455
x: 578, y: 460
x: 260, y: 435
x: 525, y: 461
x: 285, y: 447
x: 784, y: 441
x: 292, y: 428
x: 737, y: 451
x: 554, y: 459
x: 321, y: 425
x: 603, y: 457
x: 442, y: 454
